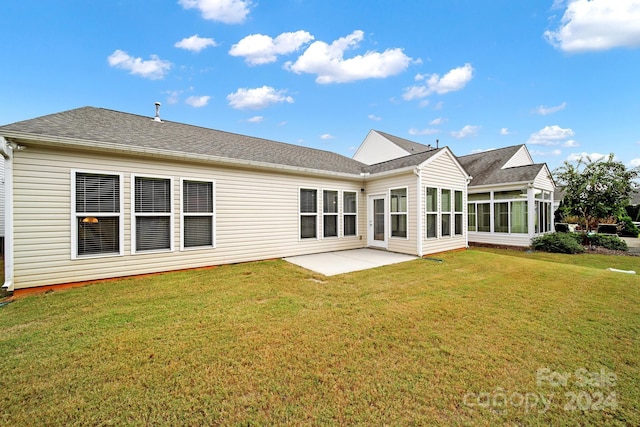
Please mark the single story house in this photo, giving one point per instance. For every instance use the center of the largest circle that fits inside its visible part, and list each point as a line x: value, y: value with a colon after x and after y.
x: 92, y: 193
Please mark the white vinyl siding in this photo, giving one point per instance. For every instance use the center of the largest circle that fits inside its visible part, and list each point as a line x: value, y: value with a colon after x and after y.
x: 520, y: 158
x: 256, y: 216
x: 382, y: 185
x: 96, y: 206
x: 197, y: 214
x: 442, y: 173
x: 152, y: 213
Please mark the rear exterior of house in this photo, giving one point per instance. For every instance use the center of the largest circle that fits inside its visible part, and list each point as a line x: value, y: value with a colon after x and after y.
x: 94, y: 194
x: 510, y: 197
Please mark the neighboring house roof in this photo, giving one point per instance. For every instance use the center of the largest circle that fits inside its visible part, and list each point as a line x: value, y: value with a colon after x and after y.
x: 635, y: 198
x: 486, y: 167
x: 410, y: 147
x: 90, y: 124
x: 404, y: 162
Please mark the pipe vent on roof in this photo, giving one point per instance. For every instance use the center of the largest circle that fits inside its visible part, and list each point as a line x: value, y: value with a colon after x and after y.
x: 157, y: 117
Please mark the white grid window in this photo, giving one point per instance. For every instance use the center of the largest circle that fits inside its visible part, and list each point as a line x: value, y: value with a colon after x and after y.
x: 198, y: 214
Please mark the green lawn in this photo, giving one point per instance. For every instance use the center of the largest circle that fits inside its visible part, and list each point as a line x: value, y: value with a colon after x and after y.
x: 482, y: 338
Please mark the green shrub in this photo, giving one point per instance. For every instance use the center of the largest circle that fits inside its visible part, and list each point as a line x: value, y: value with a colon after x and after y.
x: 609, y: 242
x: 629, y: 229
x: 564, y: 243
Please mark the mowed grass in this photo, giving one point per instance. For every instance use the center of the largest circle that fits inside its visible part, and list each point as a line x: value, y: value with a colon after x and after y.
x: 478, y: 339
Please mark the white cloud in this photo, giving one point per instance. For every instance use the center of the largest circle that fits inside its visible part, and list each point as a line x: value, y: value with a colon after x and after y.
x: 454, y: 80
x: 258, y: 98
x: 635, y: 162
x: 197, y: 101
x: 256, y: 119
x: 260, y: 49
x: 574, y: 157
x: 571, y: 144
x: 195, y: 43
x: 374, y: 118
x: 591, y: 25
x: 555, y: 152
x: 154, y: 68
x: 504, y: 131
x: 438, y: 106
x: 327, y: 136
x: 414, y: 131
x: 543, y: 111
x: 227, y: 11
x: 437, y: 122
x: 173, y: 96
x: 467, y: 130
x: 328, y: 62
x: 550, y: 135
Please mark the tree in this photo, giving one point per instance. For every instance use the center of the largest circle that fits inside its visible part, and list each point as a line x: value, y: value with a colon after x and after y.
x: 596, y: 189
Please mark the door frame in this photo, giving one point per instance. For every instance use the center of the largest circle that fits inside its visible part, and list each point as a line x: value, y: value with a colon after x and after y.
x: 371, y: 242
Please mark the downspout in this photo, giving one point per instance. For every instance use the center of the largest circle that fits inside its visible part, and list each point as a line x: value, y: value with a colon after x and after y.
x: 465, y: 217
x: 419, y: 215
x: 531, y: 211
x: 6, y: 150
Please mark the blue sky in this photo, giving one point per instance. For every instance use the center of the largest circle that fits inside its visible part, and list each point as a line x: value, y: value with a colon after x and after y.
x: 561, y: 76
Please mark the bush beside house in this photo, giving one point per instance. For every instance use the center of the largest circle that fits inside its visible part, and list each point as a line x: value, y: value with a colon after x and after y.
x: 575, y: 243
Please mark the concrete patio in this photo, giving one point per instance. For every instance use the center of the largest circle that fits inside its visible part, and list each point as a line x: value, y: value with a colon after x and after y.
x: 339, y: 262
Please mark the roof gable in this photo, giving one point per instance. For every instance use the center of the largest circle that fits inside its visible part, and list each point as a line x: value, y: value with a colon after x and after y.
x: 380, y: 147
x: 489, y: 167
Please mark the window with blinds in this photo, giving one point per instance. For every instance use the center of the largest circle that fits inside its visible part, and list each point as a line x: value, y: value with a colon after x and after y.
x: 152, y: 213
x: 308, y: 213
x: 97, y: 214
x: 197, y: 214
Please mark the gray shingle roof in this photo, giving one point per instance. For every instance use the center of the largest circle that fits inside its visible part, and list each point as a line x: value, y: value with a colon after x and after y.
x: 408, y: 146
x: 485, y: 167
x: 108, y: 126
x: 403, y: 162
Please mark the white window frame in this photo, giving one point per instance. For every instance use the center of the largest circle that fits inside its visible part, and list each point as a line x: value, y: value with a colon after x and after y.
x: 405, y: 213
x: 75, y: 215
x: 301, y: 214
x: 336, y: 214
x: 449, y: 212
x: 460, y: 212
x: 349, y: 214
x: 428, y: 212
x: 134, y: 214
x: 203, y: 214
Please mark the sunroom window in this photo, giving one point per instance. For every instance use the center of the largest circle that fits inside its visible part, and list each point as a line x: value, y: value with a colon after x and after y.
x: 432, y: 212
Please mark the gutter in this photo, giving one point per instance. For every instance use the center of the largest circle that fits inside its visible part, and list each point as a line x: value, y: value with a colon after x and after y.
x: 6, y: 150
